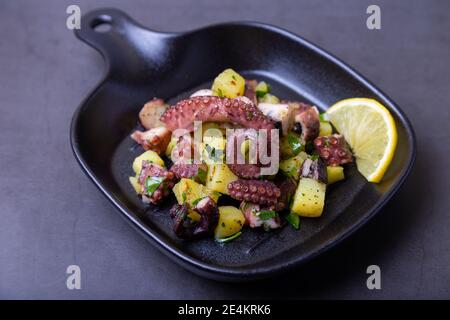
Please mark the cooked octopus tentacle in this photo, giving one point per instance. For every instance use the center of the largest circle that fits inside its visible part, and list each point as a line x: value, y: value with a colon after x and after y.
x: 242, y: 170
x: 156, y: 139
x: 287, y: 188
x: 190, y: 171
x: 188, y: 230
x: 217, y: 109
x: 151, y: 112
x: 333, y: 149
x: 251, y: 212
x: 256, y: 191
x: 167, y: 181
x: 314, y: 169
x: 245, y: 171
x: 306, y: 121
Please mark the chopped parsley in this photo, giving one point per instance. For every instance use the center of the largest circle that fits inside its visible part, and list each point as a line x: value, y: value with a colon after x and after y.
x: 201, y: 176
x: 267, y: 214
x: 294, y: 144
x: 213, y: 153
x: 293, y: 220
x: 196, y: 201
x: 152, y: 184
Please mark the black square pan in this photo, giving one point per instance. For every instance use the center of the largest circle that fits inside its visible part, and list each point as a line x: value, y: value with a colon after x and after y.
x: 141, y: 64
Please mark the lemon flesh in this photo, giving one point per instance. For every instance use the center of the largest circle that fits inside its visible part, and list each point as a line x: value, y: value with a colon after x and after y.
x: 370, y: 130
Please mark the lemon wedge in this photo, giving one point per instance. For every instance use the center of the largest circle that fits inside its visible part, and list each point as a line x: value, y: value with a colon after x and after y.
x: 370, y: 130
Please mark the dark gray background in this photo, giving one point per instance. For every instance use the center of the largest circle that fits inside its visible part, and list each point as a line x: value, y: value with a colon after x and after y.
x: 52, y: 216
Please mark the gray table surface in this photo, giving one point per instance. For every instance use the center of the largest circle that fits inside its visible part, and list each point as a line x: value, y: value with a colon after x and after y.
x: 52, y: 216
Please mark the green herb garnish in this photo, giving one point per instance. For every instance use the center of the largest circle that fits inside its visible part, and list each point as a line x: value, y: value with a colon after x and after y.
x: 228, y: 239
x: 201, y: 176
x: 262, y: 89
x: 213, y: 153
x: 194, y: 203
x: 267, y: 214
x: 294, y: 144
x: 293, y: 220
x: 153, y: 183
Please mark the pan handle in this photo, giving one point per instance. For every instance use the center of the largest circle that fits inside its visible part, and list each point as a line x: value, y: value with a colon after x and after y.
x: 121, y: 40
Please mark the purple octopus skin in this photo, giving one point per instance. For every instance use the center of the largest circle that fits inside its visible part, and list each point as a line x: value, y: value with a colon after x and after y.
x: 188, y: 230
x: 333, y: 149
x: 287, y: 187
x: 306, y: 121
x: 256, y: 191
x: 216, y: 109
x: 314, y: 169
x: 197, y: 172
x: 245, y: 171
x: 153, y: 170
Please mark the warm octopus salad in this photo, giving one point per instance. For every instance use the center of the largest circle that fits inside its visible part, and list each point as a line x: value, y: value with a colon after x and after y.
x: 269, y: 159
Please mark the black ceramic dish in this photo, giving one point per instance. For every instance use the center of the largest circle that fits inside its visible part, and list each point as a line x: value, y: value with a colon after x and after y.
x: 142, y: 64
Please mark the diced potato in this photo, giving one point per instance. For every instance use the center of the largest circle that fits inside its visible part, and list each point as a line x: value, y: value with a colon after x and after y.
x: 269, y: 98
x: 229, y: 84
x: 214, y: 148
x: 135, y: 184
x: 188, y: 191
x: 218, y: 178
x: 335, y: 174
x: 291, y: 167
x: 231, y: 221
x: 149, y: 155
x: 309, y: 198
x: 325, y: 129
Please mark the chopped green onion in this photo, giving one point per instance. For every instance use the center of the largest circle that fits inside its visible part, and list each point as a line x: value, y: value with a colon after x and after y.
x: 267, y: 214
x: 153, y: 183
x: 293, y: 220
x: 228, y: 239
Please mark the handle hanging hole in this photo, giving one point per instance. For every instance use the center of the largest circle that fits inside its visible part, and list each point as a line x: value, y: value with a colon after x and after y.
x: 102, y: 24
